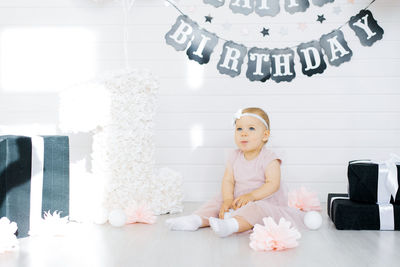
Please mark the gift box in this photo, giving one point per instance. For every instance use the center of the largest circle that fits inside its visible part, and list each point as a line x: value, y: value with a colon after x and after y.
x: 34, y: 177
x: 347, y: 214
x: 371, y: 182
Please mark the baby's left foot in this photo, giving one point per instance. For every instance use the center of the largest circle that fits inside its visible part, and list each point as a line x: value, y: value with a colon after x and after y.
x: 224, y: 227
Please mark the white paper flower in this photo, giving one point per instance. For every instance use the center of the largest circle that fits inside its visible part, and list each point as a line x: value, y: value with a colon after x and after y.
x: 8, y: 240
x: 51, y: 225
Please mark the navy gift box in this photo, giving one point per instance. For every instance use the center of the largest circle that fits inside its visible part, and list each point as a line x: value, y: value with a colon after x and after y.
x: 351, y: 215
x: 15, y: 178
x: 363, y: 182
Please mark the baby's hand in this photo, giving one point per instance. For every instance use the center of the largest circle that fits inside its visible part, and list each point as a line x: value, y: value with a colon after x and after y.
x: 242, y: 200
x: 224, y: 208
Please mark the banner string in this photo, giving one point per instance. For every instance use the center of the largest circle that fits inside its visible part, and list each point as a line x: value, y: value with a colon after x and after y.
x: 344, y: 24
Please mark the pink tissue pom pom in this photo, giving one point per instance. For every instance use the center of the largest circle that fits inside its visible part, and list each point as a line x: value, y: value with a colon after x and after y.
x: 304, y: 200
x: 141, y: 214
x: 272, y: 236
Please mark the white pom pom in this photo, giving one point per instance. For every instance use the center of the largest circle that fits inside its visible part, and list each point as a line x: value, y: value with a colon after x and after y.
x: 117, y: 218
x: 100, y: 216
x: 313, y: 220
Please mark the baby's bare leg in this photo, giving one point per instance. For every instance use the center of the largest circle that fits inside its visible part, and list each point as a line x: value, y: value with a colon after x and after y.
x: 243, y: 224
x: 204, y: 222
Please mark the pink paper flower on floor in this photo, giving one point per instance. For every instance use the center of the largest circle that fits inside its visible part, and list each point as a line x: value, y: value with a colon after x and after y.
x: 304, y: 200
x: 140, y: 214
x: 272, y: 236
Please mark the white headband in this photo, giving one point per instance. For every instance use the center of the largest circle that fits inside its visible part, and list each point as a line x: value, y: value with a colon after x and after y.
x: 239, y: 114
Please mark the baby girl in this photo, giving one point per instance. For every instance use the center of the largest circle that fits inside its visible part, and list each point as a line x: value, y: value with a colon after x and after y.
x: 252, y: 187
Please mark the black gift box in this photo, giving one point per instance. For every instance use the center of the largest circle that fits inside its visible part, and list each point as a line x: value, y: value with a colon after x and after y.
x: 351, y: 215
x: 363, y: 182
x: 15, y: 177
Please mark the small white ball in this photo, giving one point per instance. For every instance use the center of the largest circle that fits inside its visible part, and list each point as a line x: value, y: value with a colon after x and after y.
x: 117, y: 218
x: 313, y: 220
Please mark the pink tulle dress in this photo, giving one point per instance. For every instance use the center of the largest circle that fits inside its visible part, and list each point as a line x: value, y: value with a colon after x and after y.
x: 250, y: 175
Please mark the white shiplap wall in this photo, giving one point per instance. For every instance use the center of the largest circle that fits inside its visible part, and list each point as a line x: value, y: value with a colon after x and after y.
x: 318, y: 123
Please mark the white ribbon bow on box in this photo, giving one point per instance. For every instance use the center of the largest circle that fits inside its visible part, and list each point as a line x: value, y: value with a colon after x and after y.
x: 37, y: 173
x: 389, y: 179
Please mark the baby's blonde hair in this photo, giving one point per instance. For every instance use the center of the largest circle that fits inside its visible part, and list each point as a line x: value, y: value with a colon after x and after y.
x: 259, y: 112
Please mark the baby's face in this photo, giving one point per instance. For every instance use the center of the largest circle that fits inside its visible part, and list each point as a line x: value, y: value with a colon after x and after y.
x: 250, y: 134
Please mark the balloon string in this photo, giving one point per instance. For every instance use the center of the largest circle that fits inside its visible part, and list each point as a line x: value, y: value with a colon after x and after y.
x: 175, y: 7
x: 127, y: 6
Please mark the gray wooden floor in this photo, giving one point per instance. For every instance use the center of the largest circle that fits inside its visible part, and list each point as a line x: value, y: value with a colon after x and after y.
x: 154, y: 245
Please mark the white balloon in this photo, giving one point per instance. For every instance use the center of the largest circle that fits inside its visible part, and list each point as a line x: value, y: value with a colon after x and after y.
x: 117, y: 218
x: 313, y: 220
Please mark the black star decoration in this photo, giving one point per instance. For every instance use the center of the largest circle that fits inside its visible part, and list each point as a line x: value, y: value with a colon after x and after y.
x: 321, y: 18
x: 208, y: 18
x: 265, y: 32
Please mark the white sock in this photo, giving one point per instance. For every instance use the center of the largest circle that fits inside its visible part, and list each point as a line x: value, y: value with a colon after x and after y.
x: 224, y: 227
x: 185, y: 223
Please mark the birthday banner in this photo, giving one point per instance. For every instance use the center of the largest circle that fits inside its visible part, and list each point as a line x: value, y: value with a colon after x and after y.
x: 276, y: 63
